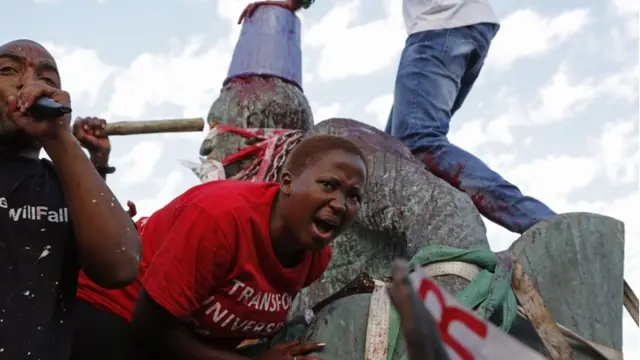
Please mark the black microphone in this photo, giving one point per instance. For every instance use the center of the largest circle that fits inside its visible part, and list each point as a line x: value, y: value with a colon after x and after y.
x: 46, y: 108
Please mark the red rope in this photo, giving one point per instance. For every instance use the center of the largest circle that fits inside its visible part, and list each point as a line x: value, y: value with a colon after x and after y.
x: 264, y: 152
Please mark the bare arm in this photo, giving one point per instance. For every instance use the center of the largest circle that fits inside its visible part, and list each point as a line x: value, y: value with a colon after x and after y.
x: 109, y: 245
x: 90, y: 134
x: 164, y: 335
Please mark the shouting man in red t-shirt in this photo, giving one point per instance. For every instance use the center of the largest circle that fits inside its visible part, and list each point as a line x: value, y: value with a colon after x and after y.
x: 223, y: 262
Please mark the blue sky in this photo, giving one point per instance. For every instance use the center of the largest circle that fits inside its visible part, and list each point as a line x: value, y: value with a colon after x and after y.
x: 555, y: 109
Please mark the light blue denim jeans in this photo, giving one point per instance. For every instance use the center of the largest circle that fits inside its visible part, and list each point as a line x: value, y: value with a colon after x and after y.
x: 437, y: 70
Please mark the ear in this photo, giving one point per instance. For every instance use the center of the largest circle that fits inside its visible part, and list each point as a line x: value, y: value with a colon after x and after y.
x: 286, y: 180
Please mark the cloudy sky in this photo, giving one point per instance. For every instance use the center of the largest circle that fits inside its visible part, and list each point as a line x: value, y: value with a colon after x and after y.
x: 555, y: 109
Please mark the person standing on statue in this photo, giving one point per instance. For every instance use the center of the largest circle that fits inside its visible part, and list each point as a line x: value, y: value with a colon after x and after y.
x: 55, y: 216
x: 443, y: 55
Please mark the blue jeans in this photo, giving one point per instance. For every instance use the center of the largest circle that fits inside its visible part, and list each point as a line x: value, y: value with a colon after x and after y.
x: 437, y: 70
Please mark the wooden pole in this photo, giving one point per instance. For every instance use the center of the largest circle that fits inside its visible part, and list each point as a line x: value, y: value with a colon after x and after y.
x: 630, y: 301
x: 154, y: 126
x: 539, y: 315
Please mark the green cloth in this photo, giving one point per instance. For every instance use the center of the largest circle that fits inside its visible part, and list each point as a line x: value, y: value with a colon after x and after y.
x: 489, y: 291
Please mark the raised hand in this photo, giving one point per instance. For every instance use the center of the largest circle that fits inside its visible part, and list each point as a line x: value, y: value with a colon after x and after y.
x: 90, y: 133
x: 132, y: 210
x: 42, y: 129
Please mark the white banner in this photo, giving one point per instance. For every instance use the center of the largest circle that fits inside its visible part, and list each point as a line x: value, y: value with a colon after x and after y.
x: 467, y: 336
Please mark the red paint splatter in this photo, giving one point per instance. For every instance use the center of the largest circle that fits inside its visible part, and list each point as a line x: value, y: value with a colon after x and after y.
x: 490, y: 208
x: 30, y: 50
x: 453, y: 179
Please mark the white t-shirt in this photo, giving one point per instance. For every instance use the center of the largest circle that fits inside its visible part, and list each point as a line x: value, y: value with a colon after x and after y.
x: 421, y: 15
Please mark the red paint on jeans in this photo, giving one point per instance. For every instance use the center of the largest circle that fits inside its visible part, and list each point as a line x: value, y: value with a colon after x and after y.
x: 487, y: 207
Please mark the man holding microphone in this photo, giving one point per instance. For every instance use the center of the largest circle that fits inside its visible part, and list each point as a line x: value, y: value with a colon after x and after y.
x: 56, y: 217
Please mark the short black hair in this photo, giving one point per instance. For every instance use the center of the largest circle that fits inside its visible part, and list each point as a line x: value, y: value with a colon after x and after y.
x: 309, y: 150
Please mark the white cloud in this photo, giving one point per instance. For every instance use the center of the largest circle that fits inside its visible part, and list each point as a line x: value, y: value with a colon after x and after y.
x: 497, y: 129
x: 82, y: 71
x: 620, y: 152
x: 632, y: 27
x: 526, y: 33
x: 472, y: 134
x: 188, y: 76
x: 631, y: 337
x: 352, y: 50
x: 379, y: 108
x: 171, y: 186
x: 230, y: 10
x: 554, y: 177
x: 623, y: 84
x: 321, y: 113
x: 625, y: 7
x: 559, y: 98
x: 139, y: 162
x: 476, y: 132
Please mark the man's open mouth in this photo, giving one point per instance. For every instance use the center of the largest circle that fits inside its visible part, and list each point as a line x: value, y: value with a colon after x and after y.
x: 325, y: 227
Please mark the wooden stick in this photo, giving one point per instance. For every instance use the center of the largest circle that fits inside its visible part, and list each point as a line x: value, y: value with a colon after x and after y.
x: 630, y: 301
x: 154, y: 126
x: 539, y: 316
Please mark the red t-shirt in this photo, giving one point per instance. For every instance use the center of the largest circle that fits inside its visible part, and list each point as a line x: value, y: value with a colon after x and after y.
x: 213, y: 265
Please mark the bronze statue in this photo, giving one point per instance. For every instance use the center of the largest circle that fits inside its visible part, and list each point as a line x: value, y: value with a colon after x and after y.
x: 260, y: 115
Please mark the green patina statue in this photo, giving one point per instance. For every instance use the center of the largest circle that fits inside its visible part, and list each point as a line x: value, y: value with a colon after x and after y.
x: 408, y: 212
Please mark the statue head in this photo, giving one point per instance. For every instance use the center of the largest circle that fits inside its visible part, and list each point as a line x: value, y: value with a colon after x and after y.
x: 263, y: 89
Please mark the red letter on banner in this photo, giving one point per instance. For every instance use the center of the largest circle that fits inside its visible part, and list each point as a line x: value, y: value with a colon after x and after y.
x: 451, y: 314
